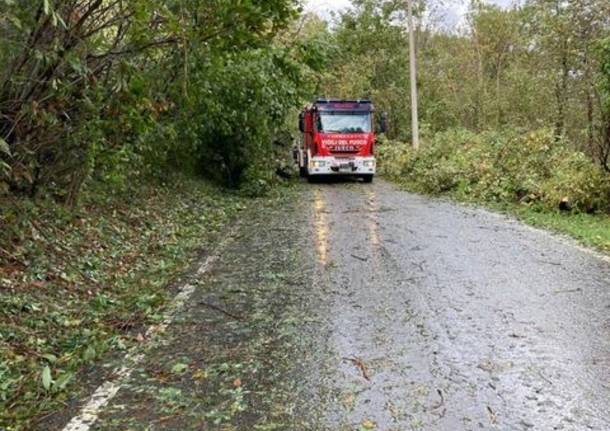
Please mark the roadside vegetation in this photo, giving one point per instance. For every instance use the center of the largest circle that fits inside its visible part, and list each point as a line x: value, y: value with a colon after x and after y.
x: 111, y: 91
x: 77, y: 284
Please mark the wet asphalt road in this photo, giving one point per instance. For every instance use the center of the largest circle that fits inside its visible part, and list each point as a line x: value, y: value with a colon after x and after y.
x: 360, y: 307
x: 463, y: 319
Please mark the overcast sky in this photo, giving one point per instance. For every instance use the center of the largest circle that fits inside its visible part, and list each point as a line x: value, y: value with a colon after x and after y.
x: 454, y: 14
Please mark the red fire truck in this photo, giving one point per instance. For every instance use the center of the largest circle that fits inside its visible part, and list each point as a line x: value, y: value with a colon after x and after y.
x: 338, y: 139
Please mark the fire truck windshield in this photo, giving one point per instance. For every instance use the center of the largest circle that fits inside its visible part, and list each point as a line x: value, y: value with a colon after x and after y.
x: 344, y: 123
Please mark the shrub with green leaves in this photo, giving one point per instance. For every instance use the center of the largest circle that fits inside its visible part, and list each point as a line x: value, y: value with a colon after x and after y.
x: 242, y: 103
x: 508, y: 166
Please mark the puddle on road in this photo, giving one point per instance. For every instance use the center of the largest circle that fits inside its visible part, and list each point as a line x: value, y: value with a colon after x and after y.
x: 321, y: 227
x: 372, y: 221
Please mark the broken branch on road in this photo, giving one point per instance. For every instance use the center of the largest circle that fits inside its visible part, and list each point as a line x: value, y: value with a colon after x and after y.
x: 361, y: 366
x: 221, y: 310
x: 363, y: 259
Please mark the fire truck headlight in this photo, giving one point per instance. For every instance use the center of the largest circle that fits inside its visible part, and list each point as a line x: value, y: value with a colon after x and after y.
x: 369, y: 163
x: 318, y: 164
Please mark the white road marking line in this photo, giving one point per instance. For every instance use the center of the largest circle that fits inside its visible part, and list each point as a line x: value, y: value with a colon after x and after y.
x: 102, y: 396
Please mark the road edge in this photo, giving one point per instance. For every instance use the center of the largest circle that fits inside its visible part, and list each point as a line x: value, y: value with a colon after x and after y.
x: 104, y: 393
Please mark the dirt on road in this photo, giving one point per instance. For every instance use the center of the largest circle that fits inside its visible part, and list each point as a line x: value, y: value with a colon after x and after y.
x: 361, y: 307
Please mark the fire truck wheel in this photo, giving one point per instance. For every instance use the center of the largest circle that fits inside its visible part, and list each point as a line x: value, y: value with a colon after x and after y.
x: 367, y: 178
x: 303, y: 172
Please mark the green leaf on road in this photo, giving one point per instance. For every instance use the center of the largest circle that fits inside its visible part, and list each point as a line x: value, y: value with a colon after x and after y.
x: 368, y: 425
x: 50, y: 358
x: 63, y: 381
x: 4, y: 148
x: 46, y: 378
x: 89, y: 354
x: 179, y: 368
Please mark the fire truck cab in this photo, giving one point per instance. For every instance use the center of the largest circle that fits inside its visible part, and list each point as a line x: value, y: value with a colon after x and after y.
x: 338, y: 138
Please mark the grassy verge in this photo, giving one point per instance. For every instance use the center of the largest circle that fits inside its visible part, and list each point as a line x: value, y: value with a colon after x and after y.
x: 76, y: 284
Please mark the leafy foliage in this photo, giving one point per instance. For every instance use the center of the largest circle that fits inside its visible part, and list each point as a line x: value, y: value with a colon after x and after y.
x: 79, y: 283
x: 515, y: 105
x: 237, y: 128
x: 108, y: 91
x: 100, y: 103
x: 501, y: 167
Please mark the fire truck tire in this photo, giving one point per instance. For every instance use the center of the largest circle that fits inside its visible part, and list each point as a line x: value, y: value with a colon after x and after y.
x: 367, y: 178
x: 303, y: 172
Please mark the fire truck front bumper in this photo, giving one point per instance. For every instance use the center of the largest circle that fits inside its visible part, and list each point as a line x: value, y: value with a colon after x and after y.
x: 342, y: 166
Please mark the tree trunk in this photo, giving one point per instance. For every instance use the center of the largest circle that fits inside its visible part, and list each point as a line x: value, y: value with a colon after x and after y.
x: 561, y: 90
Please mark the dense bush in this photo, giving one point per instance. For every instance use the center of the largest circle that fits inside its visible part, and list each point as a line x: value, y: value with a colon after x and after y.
x: 243, y: 103
x: 529, y: 168
x: 114, y: 91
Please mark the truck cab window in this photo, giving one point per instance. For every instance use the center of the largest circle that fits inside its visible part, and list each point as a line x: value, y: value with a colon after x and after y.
x: 344, y: 123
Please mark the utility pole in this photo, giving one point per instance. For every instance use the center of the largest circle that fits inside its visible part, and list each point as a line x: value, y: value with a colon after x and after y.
x: 413, y: 66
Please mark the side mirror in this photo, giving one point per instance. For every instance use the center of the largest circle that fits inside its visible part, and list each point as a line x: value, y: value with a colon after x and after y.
x: 383, y: 123
x: 302, y: 122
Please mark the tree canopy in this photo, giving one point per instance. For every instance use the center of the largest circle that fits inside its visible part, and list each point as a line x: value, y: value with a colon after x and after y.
x: 106, y: 90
